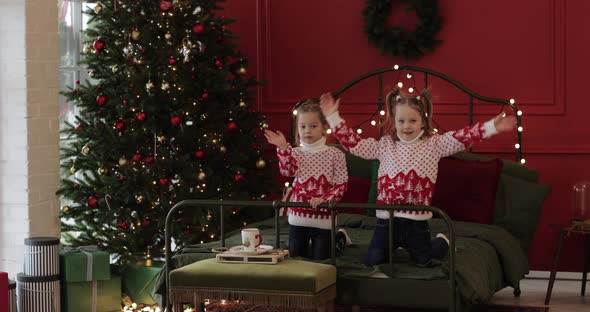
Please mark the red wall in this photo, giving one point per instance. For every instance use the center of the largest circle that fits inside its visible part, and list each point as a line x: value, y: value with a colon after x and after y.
x: 530, y: 50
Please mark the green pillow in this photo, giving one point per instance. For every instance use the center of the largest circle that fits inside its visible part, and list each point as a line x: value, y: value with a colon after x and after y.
x: 518, y: 207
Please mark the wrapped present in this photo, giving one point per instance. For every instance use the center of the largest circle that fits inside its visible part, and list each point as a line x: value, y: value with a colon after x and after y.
x: 41, y: 256
x: 139, y: 281
x: 85, y: 263
x: 94, y: 296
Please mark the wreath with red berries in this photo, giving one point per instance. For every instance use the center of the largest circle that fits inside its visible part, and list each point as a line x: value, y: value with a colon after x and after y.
x: 394, y: 40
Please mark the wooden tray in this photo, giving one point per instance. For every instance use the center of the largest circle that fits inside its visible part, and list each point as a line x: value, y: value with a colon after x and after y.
x: 273, y: 256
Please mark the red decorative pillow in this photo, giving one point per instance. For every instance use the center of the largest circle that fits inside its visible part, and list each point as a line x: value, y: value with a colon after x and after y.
x: 357, y: 192
x: 466, y: 189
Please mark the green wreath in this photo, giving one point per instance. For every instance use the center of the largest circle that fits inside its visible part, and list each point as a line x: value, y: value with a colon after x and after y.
x: 396, y: 41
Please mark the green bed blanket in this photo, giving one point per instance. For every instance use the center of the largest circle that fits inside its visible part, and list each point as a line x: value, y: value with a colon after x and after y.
x: 488, y: 258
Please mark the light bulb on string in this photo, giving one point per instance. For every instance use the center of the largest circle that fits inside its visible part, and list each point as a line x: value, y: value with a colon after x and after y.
x: 294, y: 112
x: 409, y: 75
x: 517, y: 146
x: 373, y: 123
x: 520, y: 129
x: 410, y: 89
x: 396, y: 67
x: 522, y: 161
x: 400, y: 84
x: 512, y: 101
x: 519, y: 113
x: 329, y: 131
x: 359, y: 130
x: 382, y: 112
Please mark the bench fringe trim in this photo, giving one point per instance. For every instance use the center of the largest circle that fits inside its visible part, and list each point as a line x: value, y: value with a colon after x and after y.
x: 287, y: 299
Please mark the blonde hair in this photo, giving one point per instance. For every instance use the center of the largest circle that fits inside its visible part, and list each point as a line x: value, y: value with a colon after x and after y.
x: 309, y: 106
x: 421, y: 103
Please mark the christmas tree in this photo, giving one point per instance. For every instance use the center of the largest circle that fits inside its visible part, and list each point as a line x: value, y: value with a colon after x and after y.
x: 166, y: 116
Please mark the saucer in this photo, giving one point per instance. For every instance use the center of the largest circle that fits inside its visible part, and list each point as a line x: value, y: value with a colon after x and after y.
x: 241, y: 249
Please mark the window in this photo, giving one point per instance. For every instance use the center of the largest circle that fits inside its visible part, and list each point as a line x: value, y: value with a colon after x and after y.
x: 72, y: 22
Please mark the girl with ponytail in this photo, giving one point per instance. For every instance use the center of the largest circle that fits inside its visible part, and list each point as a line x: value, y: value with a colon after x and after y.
x: 408, y: 153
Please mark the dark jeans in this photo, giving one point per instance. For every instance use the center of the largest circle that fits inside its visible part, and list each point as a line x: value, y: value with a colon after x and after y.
x: 412, y: 235
x: 299, y: 242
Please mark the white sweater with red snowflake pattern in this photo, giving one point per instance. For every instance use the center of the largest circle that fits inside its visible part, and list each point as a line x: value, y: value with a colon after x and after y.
x: 319, y: 171
x: 408, y: 170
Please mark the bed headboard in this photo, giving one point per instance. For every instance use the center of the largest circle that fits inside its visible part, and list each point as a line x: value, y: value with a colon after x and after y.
x: 519, y: 196
x: 411, y: 72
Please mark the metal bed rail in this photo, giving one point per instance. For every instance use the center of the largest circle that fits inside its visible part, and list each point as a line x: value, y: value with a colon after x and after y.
x: 276, y: 205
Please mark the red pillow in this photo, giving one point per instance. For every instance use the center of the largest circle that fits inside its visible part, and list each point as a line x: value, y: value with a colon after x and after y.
x: 466, y: 189
x: 357, y: 192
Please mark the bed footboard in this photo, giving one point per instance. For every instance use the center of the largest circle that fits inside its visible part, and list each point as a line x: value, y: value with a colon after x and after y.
x: 276, y: 205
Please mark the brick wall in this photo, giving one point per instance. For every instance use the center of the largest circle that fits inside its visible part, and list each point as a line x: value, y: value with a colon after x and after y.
x: 29, y: 137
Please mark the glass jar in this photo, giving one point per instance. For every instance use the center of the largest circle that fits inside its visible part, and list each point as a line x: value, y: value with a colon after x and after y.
x: 581, y: 201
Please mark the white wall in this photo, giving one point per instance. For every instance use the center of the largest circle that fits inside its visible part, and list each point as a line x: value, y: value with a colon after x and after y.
x: 29, y: 139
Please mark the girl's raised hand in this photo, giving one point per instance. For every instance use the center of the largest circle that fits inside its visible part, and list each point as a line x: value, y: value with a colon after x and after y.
x: 504, y: 123
x: 328, y: 104
x: 276, y: 138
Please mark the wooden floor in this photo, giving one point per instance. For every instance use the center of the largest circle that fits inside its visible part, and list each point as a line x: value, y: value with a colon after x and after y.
x: 566, y: 295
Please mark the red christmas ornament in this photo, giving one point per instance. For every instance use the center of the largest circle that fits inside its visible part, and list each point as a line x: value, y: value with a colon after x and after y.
x: 172, y: 61
x: 205, y: 96
x: 175, y: 120
x: 122, y: 178
x: 199, y: 154
x: 149, y: 159
x: 165, y: 5
x: 232, y: 126
x: 77, y: 82
x: 137, y: 157
x: 238, y: 177
x: 141, y: 116
x: 123, y: 225
x: 78, y: 127
x: 74, y: 91
x: 131, y: 86
x: 164, y: 181
x: 92, y: 201
x: 146, y: 222
x: 219, y: 64
x: 125, y: 102
x: 99, y: 45
x: 119, y: 125
x: 198, y: 28
x: 101, y: 100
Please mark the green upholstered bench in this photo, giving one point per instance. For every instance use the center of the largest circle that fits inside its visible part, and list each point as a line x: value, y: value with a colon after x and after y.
x: 288, y: 284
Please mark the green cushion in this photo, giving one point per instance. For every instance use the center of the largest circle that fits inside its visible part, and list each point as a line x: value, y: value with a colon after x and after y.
x: 288, y: 275
x: 518, y: 207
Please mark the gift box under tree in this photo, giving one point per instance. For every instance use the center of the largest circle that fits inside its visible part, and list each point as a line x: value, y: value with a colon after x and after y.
x: 87, y: 282
x: 139, y: 281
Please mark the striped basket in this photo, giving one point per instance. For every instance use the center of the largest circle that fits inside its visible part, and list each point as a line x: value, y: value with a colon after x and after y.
x: 12, y: 296
x: 38, y: 293
x: 41, y: 256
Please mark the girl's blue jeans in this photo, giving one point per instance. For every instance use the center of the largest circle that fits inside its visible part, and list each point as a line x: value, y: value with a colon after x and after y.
x: 412, y: 235
x: 309, y: 242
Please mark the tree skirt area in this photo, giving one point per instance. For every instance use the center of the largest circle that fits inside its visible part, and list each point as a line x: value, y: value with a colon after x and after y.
x: 232, y: 307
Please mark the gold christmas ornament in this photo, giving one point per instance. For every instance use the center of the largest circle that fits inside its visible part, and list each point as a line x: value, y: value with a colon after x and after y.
x: 243, y: 104
x: 260, y: 164
x: 162, y: 138
x: 102, y: 170
x: 149, y: 85
x: 139, y: 198
x: 265, y: 126
x: 202, y: 176
x: 242, y: 70
x: 115, y: 69
x: 135, y: 35
x: 73, y: 169
x: 168, y: 36
x: 122, y: 161
x: 165, y: 86
x: 222, y: 149
x: 85, y: 150
x: 98, y: 8
x: 91, y: 74
x: 65, y: 208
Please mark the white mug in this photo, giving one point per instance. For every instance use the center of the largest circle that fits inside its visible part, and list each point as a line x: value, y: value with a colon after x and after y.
x: 251, y: 239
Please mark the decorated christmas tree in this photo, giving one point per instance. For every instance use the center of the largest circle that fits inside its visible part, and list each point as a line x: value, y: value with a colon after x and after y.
x: 166, y: 115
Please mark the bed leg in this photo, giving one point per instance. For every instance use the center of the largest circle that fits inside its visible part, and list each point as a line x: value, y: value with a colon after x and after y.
x: 517, y: 290
x: 355, y: 308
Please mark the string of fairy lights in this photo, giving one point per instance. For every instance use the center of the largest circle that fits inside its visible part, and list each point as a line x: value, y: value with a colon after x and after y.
x: 376, y: 117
